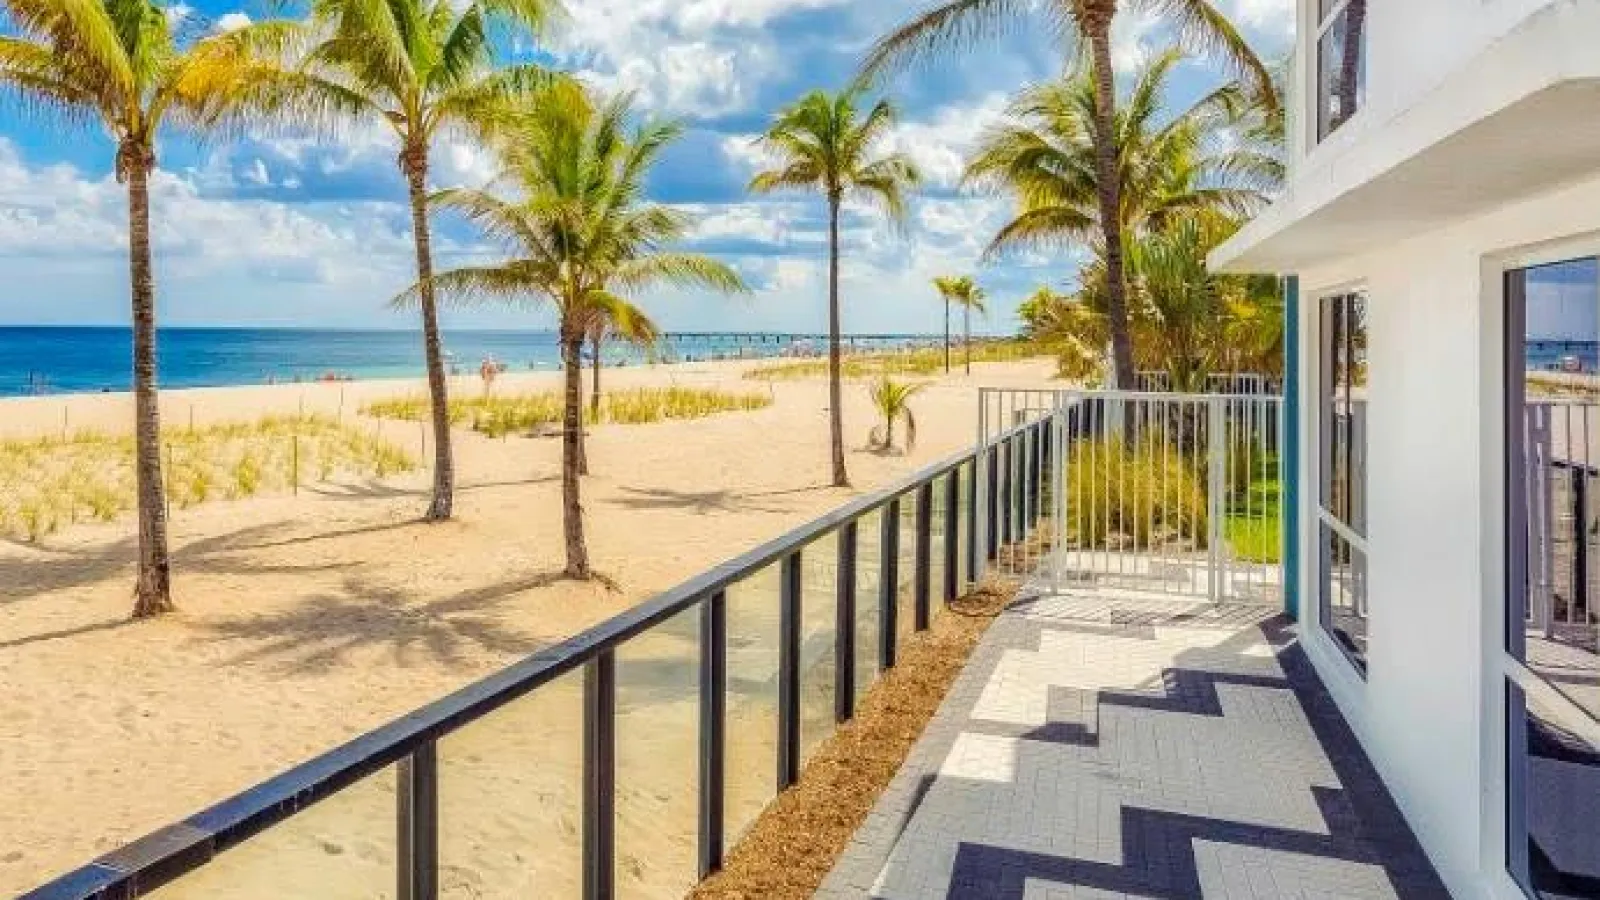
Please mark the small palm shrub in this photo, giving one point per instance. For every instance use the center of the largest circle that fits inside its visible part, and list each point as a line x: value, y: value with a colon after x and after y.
x: 1144, y: 496
x: 892, y: 400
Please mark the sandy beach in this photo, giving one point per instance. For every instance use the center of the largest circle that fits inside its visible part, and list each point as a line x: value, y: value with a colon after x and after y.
x: 306, y: 620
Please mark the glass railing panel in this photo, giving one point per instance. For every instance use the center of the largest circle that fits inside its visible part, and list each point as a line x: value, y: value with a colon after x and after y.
x: 936, y: 547
x: 819, y: 640
x: 341, y: 848
x: 510, y: 798
x: 906, y: 569
x: 869, y: 577
x: 657, y: 757
x: 751, y: 748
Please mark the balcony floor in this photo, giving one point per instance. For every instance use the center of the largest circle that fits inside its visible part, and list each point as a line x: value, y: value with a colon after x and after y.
x: 1101, y: 746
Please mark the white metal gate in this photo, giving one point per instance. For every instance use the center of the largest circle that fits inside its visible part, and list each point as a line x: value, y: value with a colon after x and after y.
x: 1175, y: 494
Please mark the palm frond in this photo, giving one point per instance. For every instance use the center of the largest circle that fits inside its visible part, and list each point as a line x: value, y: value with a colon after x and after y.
x: 940, y: 30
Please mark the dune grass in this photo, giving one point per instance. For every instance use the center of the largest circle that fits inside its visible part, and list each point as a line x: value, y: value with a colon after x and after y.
x: 922, y: 361
x: 50, y: 482
x: 500, y: 416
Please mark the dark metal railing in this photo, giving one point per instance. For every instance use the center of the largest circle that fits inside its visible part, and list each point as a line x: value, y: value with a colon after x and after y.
x: 942, y: 505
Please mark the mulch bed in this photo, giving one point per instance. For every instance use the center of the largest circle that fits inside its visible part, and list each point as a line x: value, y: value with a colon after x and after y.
x: 792, y: 847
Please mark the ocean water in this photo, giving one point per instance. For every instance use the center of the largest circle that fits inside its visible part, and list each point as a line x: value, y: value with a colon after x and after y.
x: 79, y: 360
x: 1547, y: 354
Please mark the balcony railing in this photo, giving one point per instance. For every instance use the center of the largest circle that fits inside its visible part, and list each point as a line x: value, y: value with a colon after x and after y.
x: 625, y: 759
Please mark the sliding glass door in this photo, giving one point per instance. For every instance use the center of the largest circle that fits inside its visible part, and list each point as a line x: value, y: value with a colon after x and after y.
x: 1552, y: 653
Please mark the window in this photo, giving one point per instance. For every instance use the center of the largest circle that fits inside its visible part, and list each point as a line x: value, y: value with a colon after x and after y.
x: 1342, y: 472
x: 1341, y: 62
x: 1553, y: 586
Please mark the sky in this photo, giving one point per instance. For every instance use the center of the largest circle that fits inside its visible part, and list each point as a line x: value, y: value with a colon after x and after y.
x: 284, y: 230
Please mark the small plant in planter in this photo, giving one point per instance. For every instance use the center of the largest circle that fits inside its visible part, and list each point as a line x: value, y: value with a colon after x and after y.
x: 893, y: 402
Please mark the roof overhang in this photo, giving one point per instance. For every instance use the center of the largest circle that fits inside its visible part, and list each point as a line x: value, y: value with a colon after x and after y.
x: 1521, y: 118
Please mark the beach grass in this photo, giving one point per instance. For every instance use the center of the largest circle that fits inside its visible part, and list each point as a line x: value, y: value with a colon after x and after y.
x: 499, y: 416
x: 48, y: 483
x: 921, y: 361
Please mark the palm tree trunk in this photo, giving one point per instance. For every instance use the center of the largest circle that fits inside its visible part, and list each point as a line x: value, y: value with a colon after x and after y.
x: 153, y: 593
x: 594, y: 392
x: 1097, y: 26
x: 444, y: 473
x: 841, y: 478
x: 571, y: 447
x: 947, y: 335
x: 966, y: 334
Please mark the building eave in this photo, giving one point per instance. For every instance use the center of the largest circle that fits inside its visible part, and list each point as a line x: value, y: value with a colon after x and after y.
x: 1520, y: 119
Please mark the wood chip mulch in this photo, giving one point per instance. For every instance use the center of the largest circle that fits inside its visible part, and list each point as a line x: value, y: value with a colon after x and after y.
x: 795, y: 842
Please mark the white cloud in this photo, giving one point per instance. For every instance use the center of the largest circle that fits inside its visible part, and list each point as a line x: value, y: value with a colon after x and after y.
x: 232, y: 21
x: 56, y: 218
x: 1273, y: 17
x: 941, y: 145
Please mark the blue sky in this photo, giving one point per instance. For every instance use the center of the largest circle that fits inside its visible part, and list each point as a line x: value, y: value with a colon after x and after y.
x: 290, y: 231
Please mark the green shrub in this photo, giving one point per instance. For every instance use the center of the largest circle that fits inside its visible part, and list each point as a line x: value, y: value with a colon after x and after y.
x: 1146, y: 497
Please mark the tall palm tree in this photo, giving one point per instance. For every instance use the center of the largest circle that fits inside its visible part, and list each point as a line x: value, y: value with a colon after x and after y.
x: 580, y: 235
x: 121, y: 64
x: 965, y: 293
x: 1214, y: 157
x: 1199, y: 25
x: 620, y: 321
x: 823, y: 143
x: 1045, y: 156
x: 422, y: 68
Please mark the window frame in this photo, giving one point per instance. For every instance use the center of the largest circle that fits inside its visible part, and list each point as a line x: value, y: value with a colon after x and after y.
x: 1324, y: 517
x: 1324, y: 25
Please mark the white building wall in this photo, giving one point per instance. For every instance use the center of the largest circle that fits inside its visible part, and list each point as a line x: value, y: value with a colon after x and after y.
x: 1429, y: 713
x: 1411, y: 48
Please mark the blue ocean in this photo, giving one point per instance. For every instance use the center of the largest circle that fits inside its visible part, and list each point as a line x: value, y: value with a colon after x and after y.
x: 53, y: 360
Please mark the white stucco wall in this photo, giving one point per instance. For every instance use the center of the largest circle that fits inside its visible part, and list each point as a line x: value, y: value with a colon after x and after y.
x: 1411, y: 48
x: 1429, y: 713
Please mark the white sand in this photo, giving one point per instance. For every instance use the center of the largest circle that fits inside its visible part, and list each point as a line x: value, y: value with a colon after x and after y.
x: 307, y: 620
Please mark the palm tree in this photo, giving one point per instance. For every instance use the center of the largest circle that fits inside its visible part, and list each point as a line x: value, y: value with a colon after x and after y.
x: 965, y: 293
x: 120, y: 64
x: 617, y: 321
x: 422, y: 68
x: 1199, y: 25
x: 1045, y: 157
x: 1214, y: 156
x: 580, y: 235
x: 823, y: 143
x: 893, y: 402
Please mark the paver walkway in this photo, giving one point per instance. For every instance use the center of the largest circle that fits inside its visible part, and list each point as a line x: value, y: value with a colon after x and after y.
x: 1098, y: 748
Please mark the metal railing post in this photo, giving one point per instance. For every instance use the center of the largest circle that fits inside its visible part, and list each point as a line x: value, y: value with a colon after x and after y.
x: 599, y: 776
x: 789, y: 611
x: 417, y: 800
x: 844, y: 657
x: 713, y: 728
x: 888, y: 584
x: 921, y: 590
x: 1216, y: 486
x: 980, y: 487
x: 1580, y: 541
x: 1058, y: 496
